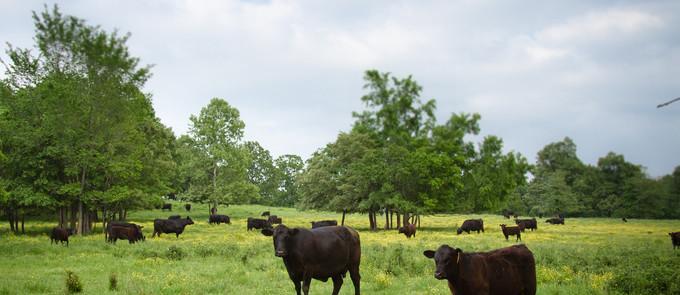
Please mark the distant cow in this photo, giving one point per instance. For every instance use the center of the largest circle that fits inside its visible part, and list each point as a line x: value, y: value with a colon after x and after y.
x: 471, y: 225
x: 187, y: 207
x: 256, y: 223
x: 675, y: 239
x: 138, y: 234
x: 61, y: 235
x: 322, y: 223
x: 555, y: 220
x: 273, y: 219
x: 624, y: 219
x: 511, y: 231
x: 508, y: 213
x: 175, y: 217
x: 219, y: 219
x: 510, y: 270
x: 321, y: 253
x: 408, y: 230
x: 265, y: 213
x: 166, y: 206
x: 167, y: 226
x: 527, y: 223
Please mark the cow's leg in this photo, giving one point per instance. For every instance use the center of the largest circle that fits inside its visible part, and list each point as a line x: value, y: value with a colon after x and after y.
x: 297, y: 286
x: 305, y: 284
x: 356, y: 278
x: 337, y: 284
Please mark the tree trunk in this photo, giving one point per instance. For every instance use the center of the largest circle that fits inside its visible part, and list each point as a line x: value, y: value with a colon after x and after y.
x: 418, y: 218
x: 387, y: 218
x: 370, y: 220
x: 398, y: 220
x: 406, y: 219
x: 391, y: 219
x: 23, y: 215
x: 344, y: 211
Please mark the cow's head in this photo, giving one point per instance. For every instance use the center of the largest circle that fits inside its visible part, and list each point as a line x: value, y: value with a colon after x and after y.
x: 459, y: 231
x: 71, y: 231
x: 189, y: 221
x: 281, y: 236
x: 402, y: 230
x: 502, y: 225
x: 445, y: 260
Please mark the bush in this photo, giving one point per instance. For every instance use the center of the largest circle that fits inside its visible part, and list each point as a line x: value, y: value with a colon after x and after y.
x: 175, y: 253
x: 73, y: 284
x: 113, y: 282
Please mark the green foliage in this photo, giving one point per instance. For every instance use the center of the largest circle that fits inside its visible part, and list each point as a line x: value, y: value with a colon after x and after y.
x: 73, y: 284
x: 175, y: 253
x: 113, y: 282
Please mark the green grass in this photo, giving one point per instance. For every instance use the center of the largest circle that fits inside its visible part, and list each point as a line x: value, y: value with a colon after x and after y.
x: 585, y: 256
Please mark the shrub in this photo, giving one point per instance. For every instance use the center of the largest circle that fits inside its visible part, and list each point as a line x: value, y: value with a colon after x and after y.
x: 113, y: 282
x: 175, y: 253
x: 73, y: 284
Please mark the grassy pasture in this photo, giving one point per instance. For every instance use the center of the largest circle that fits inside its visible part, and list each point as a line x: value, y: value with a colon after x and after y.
x: 585, y: 256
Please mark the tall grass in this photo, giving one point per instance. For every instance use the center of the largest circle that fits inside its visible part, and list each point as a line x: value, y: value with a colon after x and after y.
x: 585, y: 256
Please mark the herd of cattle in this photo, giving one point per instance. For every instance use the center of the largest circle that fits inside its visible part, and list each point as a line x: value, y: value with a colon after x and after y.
x: 328, y: 251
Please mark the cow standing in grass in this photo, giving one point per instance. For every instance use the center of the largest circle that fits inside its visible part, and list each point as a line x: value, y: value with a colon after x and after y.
x: 166, y: 206
x: 168, y: 226
x: 555, y: 220
x: 256, y: 223
x: 273, y: 219
x: 219, y: 219
x: 510, y: 270
x: 408, y: 230
x: 322, y: 253
x: 527, y: 223
x: 675, y: 239
x: 59, y: 234
x: 471, y: 225
x: 138, y: 235
x: 511, y: 231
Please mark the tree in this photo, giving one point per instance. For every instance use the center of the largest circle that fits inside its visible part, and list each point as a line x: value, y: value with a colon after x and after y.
x: 288, y: 167
x: 263, y: 173
x: 217, y: 132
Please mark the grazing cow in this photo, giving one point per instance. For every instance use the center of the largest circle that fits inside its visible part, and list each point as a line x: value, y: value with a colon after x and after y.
x: 675, y: 239
x: 321, y: 253
x: 256, y: 223
x: 61, y: 235
x: 219, y: 219
x: 511, y: 231
x: 323, y: 223
x: 510, y: 270
x: 175, y: 217
x: 471, y: 225
x: 273, y: 219
x: 527, y: 223
x: 166, y: 206
x: 624, y: 219
x: 167, y: 226
x: 555, y: 220
x: 408, y: 230
x: 187, y: 207
x: 265, y: 213
x: 507, y: 213
x: 139, y: 235
x: 130, y: 233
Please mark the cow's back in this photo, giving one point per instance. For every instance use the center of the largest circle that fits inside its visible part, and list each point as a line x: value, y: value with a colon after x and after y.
x: 326, y: 251
x: 511, y: 268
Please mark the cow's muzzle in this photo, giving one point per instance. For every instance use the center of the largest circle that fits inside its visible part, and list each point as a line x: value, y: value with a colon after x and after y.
x: 281, y: 253
x: 439, y: 276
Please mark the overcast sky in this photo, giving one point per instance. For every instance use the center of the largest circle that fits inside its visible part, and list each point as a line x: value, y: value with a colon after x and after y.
x: 536, y: 71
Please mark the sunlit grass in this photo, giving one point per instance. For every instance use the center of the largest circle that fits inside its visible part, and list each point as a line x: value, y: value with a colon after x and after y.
x: 585, y: 256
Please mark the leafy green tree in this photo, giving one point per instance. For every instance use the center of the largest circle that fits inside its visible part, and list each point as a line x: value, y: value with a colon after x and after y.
x: 262, y: 172
x: 288, y: 168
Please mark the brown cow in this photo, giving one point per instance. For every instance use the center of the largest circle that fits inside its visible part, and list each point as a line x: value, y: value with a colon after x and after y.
x: 322, y: 253
x: 408, y: 230
x: 61, y: 235
x: 675, y: 239
x: 510, y: 270
x: 512, y: 231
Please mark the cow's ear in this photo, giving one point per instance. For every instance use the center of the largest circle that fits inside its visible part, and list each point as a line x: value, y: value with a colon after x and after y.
x: 294, y: 231
x: 141, y: 226
x: 267, y: 232
x: 428, y: 253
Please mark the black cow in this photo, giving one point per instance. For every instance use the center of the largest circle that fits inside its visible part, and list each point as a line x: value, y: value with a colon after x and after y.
x: 624, y: 219
x: 555, y: 220
x: 322, y: 223
x: 527, y: 224
x: 510, y: 270
x: 139, y: 235
x: 256, y: 223
x: 175, y: 217
x: 166, y: 206
x: 675, y: 239
x: 187, y: 207
x: 511, y: 231
x: 273, y: 219
x: 408, y: 230
x: 265, y: 213
x: 219, y: 219
x: 471, y: 225
x: 507, y: 213
x: 132, y: 234
x: 167, y: 226
x: 59, y: 234
x: 321, y: 253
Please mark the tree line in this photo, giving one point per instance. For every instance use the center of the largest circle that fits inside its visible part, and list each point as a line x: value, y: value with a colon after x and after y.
x: 79, y: 140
